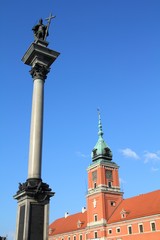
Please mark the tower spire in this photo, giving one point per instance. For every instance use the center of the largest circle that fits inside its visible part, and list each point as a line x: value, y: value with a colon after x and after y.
x: 100, y: 131
x: 101, y: 151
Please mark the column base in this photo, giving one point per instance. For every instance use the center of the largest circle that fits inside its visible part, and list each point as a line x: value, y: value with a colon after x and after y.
x: 33, y: 199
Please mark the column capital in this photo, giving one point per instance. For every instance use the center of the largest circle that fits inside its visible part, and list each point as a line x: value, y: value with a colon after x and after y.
x: 39, y: 71
x: 38, y: 54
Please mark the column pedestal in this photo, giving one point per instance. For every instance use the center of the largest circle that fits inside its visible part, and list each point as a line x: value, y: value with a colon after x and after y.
x: 33, y: 199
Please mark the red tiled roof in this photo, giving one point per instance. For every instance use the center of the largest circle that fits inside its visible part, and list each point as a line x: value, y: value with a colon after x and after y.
x: 139, y: 206
x: 68, y: 224
x: 135, y: 207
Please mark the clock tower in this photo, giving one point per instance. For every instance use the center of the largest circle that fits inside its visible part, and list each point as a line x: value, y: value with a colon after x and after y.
x: 104, y: 193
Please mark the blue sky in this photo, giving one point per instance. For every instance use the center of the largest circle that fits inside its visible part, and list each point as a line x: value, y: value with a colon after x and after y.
x: 110, y: 59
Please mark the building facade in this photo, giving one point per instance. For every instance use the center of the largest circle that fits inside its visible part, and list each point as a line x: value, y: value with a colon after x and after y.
x: 108, y: 216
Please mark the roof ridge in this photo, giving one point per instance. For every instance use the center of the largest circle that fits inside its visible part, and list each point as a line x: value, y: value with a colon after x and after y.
x: 142, y: 194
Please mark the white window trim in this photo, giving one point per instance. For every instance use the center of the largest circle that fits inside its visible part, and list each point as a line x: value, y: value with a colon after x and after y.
x: 95, y: 232
x: 140, y: 224
x: 109, y: 230
x: 151, y: 226
x: 80, y: 236
x: 131, y: 229
x: 117, y: 230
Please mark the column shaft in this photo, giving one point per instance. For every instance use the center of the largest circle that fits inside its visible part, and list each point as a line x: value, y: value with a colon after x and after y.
x: 36, y: 130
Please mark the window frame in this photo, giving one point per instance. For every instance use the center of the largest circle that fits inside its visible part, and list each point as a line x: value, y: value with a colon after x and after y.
x: 118, y: 228
x: 80, y: 237
x: 95, y: 234
x: 110, y: 184
x: 95, y: 184
x: 95, y: 217
x: 109, y: 231
x: 141, y: 228
x: 153, y: 222
x: 130, y: 232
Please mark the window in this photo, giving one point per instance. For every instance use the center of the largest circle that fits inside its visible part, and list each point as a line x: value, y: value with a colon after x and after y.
x: 129, y: 229
x: 109, y: 231
x: 123, y: 213
x: 140, y: 228
x: 153, y: 226
x: 109, y: 184
x: 118, y: 230
x: 79, y: 224
x: 74, y: 238
x: 95, y: 185
x: 95, y: 217
x: 69, y: 238
x: 95, y: 235
x: 113, y: 204
x: 94, y: 152
x: 80, y: 237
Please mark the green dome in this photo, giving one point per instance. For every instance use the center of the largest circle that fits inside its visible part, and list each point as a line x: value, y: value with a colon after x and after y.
x: 101, y: 150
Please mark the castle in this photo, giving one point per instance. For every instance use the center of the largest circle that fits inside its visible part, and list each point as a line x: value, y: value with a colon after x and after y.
x: 108, y: 216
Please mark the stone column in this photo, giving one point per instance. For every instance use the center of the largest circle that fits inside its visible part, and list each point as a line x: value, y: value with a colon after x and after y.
x: 36, y: 131
x: 33, y: 196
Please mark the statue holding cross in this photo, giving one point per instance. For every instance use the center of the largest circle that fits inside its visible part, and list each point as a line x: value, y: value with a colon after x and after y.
x: 40, y: 30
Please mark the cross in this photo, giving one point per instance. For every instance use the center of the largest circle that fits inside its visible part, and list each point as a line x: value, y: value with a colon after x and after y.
x: 49, y: 21
x: 49, y: 18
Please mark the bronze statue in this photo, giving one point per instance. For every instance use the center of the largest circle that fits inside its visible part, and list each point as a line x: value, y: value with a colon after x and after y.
x: 40, y: 30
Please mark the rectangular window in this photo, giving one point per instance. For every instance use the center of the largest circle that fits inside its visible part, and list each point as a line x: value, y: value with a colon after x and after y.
x: 68, y: 238
x: 95, y: 217
x: 129, y: 229
x: 74, y: 238
x: 118, y: 230
x: 109, y: 184
x: 95, y: 235
x: 153, y: 226
x: 80, y: 237
x: 95, y: 184
x: 141, y: 228
x: 109, y: 231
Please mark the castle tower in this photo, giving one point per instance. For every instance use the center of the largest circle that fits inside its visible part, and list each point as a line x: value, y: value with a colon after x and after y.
x: 104, y: 193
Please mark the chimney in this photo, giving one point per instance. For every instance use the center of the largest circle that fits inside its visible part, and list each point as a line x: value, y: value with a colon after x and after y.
x: 66, y: 214
x: 83, y: 209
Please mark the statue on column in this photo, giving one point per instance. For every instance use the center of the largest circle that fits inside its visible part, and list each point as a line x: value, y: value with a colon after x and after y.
x: 40, y: 30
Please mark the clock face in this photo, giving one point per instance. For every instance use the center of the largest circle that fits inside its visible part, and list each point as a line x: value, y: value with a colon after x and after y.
x: 108, y: 174
x: 94, y: 175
